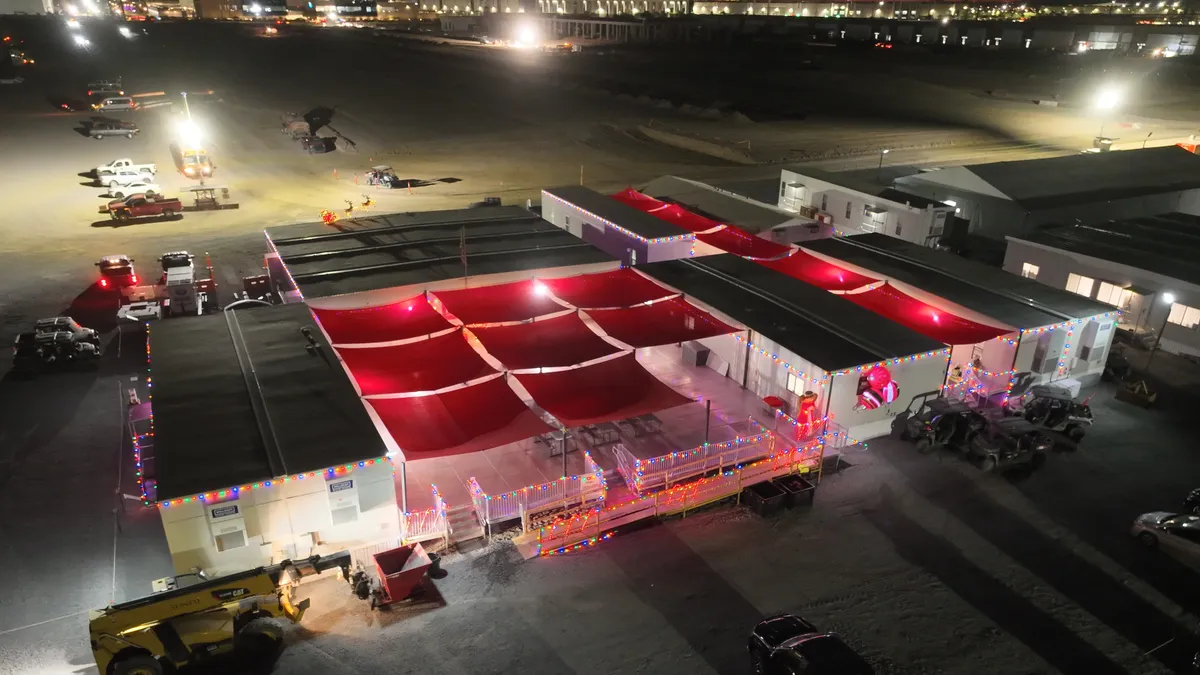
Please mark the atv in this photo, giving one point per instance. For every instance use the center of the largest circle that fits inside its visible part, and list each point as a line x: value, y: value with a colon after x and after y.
x: 943, y: 422
x: 1007, y: 441
x: 1054, y: 408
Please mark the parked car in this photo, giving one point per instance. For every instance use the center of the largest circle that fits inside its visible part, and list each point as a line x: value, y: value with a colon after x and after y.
x: 121, y: 178
x: 55, y: 341
x: 789, y: 645
x: 126, y: 164
x: 141, y: 187
x: 104, y: 128
x: 112, y: 103
x: 116, y: 271
x: 943, y: 422
x: 1178, y: 534
x: 147, y: 206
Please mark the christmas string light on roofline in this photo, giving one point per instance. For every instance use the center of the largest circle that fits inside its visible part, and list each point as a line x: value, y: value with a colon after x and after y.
x: 630, y: 233
x: 892, y: 362
x: 211, y: 495
x: 775, y: 358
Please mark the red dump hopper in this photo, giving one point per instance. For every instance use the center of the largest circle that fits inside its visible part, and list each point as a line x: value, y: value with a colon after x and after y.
x: 400, y: 570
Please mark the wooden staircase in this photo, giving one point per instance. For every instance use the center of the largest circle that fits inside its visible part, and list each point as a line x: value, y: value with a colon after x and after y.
x: 464, y: 524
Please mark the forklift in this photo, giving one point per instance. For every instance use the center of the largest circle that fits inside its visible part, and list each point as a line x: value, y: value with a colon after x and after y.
x: 198, y: 618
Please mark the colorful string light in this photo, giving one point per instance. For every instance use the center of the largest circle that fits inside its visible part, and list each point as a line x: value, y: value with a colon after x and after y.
x: 217, y: 495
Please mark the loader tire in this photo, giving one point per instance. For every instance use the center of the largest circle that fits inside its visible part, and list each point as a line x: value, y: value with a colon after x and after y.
x: 261, y: 640
x: 138, y: 664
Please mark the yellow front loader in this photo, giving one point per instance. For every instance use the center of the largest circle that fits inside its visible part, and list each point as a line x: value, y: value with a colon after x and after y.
x: 190, y: 624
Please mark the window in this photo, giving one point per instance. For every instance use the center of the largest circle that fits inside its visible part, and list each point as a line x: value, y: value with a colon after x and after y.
x: 1081, y: 285
x: 825, y: 203
x: 795, y: 384
x: 1029, y: 271
x: 1113, y: 294
x: 847, y: 209
x: 1182, y: 315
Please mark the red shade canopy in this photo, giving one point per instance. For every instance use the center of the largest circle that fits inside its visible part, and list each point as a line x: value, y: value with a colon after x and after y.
x: 402, y: 320
x: 619, y: 288
x: 811, y: 269
x: 426, y: 365
x: 612, y: 390
x: 479, y: 417
x: 725, y: 237
x: 516, y: 301
x: 740, y: 242
x: 661, y: 323
x: 926, y: 319
x: 560, y: 341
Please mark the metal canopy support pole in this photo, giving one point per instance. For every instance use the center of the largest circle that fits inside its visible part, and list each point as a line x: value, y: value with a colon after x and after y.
x: 404, y: 487
x: 707, y: 418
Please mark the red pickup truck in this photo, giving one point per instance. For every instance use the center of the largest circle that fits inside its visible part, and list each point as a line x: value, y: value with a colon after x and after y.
x: 141, y: 206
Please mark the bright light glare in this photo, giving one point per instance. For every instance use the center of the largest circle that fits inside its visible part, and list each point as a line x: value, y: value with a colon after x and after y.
x: 82, y: 41
x: 1169, y: 298
x: 189, y: 133
x: 526, y: 35
x: 1107, y: 98
x: 124, y: 30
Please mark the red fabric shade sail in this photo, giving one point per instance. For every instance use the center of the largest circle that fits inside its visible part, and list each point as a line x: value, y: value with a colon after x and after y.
x: 516, y: 301
x: 619, y: 288
x: 811, y: 269
x: 426, y: 365
x: 560, y: 341
x: 470, y: 419
x: 741, y: 242
x: 725, y: 237
x: 402, y: 320
x: 926, y: 319
x: 661, y: 323
x: 612, y: 390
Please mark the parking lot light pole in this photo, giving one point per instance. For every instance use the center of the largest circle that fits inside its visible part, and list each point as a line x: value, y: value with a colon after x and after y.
x: 1168, y: 299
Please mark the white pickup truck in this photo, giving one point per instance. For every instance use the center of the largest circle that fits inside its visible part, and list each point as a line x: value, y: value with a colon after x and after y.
x: 124, y: 165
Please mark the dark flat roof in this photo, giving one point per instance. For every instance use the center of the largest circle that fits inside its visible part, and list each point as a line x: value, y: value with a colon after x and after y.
x: 1060, y: 303
x: 1103, y: 176
x: 211, y: 433
x: 417, y: 248
x: 1000, y: 308
x: 603, y: 206
x: 830, y: 332
x: 1168, y: 244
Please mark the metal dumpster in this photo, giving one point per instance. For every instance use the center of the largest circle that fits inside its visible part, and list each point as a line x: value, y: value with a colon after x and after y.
x: 400, y: 570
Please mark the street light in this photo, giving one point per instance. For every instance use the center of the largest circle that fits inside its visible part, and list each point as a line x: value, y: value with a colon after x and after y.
x: 1106, y: 100
x: 1169, y: 300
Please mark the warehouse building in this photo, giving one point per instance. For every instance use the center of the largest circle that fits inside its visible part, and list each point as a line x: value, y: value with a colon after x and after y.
x: 1015, y: 198
x: 1146, y: 267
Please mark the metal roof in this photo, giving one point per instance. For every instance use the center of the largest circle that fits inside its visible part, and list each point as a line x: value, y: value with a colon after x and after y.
x: 823, y: 328
x: 602, y: 206
x: 419, y: 248
x: 719, y: 205
x: 981, y: 300
x: 1058, y: 303
x: 239, y: 397
x: 1167, y: 244
x: 1088, y: 177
